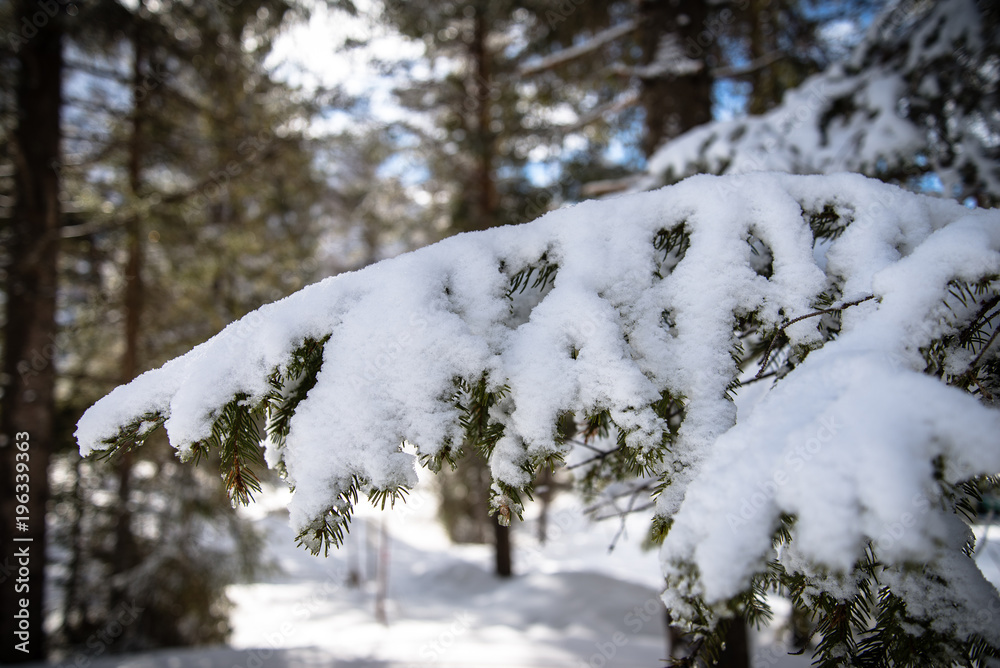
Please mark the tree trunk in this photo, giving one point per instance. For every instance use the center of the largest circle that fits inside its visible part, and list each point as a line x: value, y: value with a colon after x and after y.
x: 73, y: 610
x: 764, y: 94
x: 504, y: 561
x: 737, y: 651
x: 485, y: 190
x: 675, y: 101
x: 30, y: 351
x: 125, y: 555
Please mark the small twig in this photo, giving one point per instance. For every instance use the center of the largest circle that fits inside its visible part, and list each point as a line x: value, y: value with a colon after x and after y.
x: 604, y: 453
x: 583, y: 444
x: 749, y: 68
x: 832, y: 309
x: 609, y: 500
x: 689, y: 660
x: 983, y: 391
x: 623, y: 515
x: 759, y: 377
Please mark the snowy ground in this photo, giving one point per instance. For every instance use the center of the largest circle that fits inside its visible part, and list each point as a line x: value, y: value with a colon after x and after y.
x: 571, y: 605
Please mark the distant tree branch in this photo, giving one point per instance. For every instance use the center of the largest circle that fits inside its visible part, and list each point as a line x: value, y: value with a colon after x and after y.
x: 760, y: 63
x: 572, y: 53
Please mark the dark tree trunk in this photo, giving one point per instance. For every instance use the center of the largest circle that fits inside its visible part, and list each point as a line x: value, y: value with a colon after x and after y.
x: 737, y: 651
x: 125, y: 555
x: 485, y: 201
x: 30, y: 351
x: 485, y: 206
x: 765, y: 94
x: 504, y: 562
x: 675, y: 102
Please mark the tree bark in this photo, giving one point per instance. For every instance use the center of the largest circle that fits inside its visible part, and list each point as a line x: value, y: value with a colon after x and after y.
x: 485, y: 190
x: 675, y: 102
x: 125, y: 555
x: 27, y: 418
x: 764, y: 92
x: 504, y: 561
x: 737, y: 651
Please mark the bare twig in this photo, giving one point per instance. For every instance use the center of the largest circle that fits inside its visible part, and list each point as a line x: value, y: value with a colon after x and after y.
x: 749, y: 68
x: 832, y: 309
x: 598, y: 457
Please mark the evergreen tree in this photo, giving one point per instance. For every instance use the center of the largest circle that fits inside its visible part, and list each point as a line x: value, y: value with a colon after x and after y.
x: 159, y: 174
x: 30, y: 263
x: 869, y: 313
x: 912, y: 105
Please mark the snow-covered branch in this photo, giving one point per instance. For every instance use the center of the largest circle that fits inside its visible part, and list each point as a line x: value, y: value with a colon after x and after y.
x: 642, y: 315
x: 569, y: 54
x: 917, y: 97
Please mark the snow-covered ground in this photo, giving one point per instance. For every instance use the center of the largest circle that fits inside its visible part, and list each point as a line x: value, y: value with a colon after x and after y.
x: 572, y: 603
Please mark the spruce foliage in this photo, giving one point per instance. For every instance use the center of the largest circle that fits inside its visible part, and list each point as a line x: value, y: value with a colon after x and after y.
x: 861, y: 616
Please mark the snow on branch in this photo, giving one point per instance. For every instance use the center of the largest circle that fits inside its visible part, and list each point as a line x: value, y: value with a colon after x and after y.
x: 918, y: 96
x: 644, y: 314
x: 570, y: 54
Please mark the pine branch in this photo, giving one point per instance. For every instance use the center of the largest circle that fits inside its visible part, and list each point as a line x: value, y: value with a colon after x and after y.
x: 572, y: 53
x: 132, y: 435
x: 832, y: 309
x: 236, y: 436
x: 291, y: 386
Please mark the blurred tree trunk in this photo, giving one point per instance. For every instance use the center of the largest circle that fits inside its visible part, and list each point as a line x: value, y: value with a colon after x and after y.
x: 486, y: 204
x: 737, y: 651
x: 764, y: 90
x: 484, y: 190
x: 125, y: 555
x: 30, y: 348
x: 676, y: 95
x: 675, y: 98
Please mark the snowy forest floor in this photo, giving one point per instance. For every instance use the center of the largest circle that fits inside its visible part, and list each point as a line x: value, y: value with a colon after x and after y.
x: 571, y: 604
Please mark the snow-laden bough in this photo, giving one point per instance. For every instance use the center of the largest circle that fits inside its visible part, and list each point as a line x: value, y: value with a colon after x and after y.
x: 871, y: 311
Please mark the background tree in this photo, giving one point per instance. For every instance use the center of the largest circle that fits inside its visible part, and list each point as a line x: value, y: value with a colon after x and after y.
x: 931, y: 133
x: 30, y: 264
x: 157, y: 172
